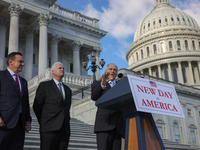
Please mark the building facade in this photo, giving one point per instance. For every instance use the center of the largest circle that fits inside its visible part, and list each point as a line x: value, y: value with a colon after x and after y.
x: 45, y: 33
x: 167, y: 45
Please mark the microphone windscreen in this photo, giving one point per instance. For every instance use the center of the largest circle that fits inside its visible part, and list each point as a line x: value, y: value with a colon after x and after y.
x: 120, y: 75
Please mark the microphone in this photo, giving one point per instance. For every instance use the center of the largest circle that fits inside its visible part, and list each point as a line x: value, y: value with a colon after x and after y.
x: 120, y: 75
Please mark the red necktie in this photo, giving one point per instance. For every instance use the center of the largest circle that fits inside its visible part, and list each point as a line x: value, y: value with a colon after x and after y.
x: 17, y: 82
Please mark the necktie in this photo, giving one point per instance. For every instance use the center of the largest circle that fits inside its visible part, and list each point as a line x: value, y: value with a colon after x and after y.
x: 17, y: 82
x: 59, y: 85
x: 112, y: 84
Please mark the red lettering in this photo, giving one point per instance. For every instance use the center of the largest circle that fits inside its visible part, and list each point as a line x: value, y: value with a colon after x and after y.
x: 170, y: 94
x: 160, y: 93
x: 156, y: 104
x: 162, y: 105
x: 146, y: 90
x: 143, y: 103
x: 166, y: 95
x: 168, y: 106
x: 139, y: 88
x: 153, y: 91
x: 150, y: 104
x: 175, y: 108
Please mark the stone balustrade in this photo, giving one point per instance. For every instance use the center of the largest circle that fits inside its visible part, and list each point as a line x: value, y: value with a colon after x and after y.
x: 74, y: 15
x: 69, y: 78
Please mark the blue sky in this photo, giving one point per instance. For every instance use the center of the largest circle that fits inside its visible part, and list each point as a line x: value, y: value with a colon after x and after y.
x: 120, y: 18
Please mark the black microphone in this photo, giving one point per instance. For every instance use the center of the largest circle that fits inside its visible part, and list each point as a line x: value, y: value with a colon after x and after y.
x: 120, y: 75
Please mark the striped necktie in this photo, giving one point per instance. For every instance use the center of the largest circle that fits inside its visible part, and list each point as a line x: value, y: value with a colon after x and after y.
x: 17, y: 82
x: 59, y: 85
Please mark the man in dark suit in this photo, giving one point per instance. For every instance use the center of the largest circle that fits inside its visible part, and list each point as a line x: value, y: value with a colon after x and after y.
x: 109, y: 124
x: 51, y: 106
x: 14, y: 104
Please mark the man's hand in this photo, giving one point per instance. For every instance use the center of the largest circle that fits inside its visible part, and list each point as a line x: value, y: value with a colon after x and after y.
x: 1, y: 122
x: 28, y: 126
x: 105, y: 78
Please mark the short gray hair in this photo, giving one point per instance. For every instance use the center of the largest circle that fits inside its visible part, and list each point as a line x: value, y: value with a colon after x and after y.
x: 54, y: 65
x: 112, y: 64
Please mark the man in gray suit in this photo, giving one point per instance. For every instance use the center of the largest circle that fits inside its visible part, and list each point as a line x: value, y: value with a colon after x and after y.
x: 14, y: 104
x: 51, y: 106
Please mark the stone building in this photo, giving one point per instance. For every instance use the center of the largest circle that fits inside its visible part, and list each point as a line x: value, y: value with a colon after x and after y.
x: 167, y: 45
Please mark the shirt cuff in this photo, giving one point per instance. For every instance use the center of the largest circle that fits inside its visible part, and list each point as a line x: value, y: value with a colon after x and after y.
x: 103, y: 87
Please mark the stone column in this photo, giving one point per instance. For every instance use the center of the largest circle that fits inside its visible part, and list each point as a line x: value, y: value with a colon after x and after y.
x: 169, y: 71
x: 28, y: 68
x: 76, y: 45
x: 180, y: 74
x: 159, y: 71
x: 150, y: 71
x: 43, y: 42
x: 199, y: 67
x: 3, y: 25
x: 191, y: 75
x: 54, y: 48
x: 15, y: 10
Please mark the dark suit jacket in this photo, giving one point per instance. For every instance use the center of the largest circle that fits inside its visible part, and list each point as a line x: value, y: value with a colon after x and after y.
x: 11, y: 101
x: 49, y: 107
x: 106, y: 119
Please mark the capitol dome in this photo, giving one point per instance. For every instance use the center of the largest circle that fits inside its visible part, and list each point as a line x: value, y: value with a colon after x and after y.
x: 167, y: 45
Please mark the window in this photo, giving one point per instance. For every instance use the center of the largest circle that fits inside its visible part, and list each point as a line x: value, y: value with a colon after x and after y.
x: 148, y: 24
x: 154, y: 22
x: 144, y: 26
x: 160, y: 131
x: 141, y: 53
x: 136, y: 56
x: 178, y: 19
x: 166, y: 75
x: 172, y: 19
x: 186, y: 45
x: 193, y: 45
x: 176, y: 132
x: 170, y: 46
x: 199, y: 45
x: 148, y: 54
x: 184, y: 75
x: 159, y: 20
x: 71, y: 68
x: 157, y: 75
x: 178, y: 45
x: 188, y: 20
x: 34, y: 59
x: 165, y: 19
x: 189, y: 112
x: 193, y: 138
x: 155, y: 49
x: 193, y: 72
x: 175, y: 75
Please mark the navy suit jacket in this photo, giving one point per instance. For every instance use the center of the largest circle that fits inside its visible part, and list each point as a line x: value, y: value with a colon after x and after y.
x: 50, y: 109
x: 106, y: 119
x: 11, y: 102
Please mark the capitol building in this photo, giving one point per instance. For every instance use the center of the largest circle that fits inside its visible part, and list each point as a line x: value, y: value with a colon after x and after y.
x: 166, y: 48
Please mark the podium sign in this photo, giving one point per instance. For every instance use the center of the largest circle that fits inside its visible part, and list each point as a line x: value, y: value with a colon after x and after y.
x: 155, y: 97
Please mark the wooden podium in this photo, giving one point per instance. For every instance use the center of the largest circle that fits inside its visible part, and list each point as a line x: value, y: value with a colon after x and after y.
x: 141, y: 131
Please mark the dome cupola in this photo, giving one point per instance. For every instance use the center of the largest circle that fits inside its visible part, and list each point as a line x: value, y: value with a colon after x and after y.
x: 157, y: 2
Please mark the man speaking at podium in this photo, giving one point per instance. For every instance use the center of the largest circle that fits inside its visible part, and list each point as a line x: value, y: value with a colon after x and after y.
x: 109, y: 124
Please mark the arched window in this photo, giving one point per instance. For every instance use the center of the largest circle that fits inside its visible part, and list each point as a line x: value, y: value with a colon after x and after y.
x: 193, y: 45
x: 172, y: 19
x: 175, y: 75
x: 166, y: 75
x: 159, y: 20
x: 160, y: 130
x: 193, y: 138
x: 178, y: 45
x: 170, y: 46
x: 154, y: 22
x: 136, y: 56
x: 184, y: 75
x: 144, y: 26
x: 148, y: 53
x: 178, y: 19
x: 188, y: 20
x: 186, y: 45
x: 184, y: 19
x: 193, y: 72
x: 141, y: 53
x: 155, y: 49
x: 165, y: 19
x: 148, y: 24
x: 176, y: 132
